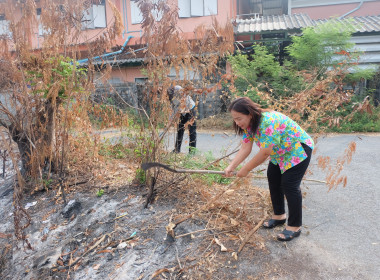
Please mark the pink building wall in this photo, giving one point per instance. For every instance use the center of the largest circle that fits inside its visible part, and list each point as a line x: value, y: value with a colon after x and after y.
x: 127, y: 74
x: 226, y: 11
x: 322, y: 12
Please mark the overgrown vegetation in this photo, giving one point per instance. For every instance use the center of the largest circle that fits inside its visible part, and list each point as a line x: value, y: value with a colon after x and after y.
x: 44, y: 95
x: 45, y: 108
x: 316, y: 86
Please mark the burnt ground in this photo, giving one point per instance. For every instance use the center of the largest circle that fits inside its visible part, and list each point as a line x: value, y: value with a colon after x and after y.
x: 114, y: 237
x: 128, y: 240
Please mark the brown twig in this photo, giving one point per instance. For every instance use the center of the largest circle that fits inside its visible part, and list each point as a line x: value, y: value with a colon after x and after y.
x: 189, y: 233
x: 251, y: 233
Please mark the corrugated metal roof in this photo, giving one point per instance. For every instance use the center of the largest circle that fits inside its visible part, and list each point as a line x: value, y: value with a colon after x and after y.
x: 360, y: 24
x: 298, y: 21
x: 273, y: 23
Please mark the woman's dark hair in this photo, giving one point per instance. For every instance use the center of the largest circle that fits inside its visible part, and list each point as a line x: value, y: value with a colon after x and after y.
x: 246, y: 106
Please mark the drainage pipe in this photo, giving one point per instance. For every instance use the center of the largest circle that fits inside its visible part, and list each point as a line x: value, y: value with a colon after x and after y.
x: 357, y: 8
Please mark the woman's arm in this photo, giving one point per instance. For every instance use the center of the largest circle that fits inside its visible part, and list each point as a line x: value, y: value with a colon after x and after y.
x: 243, y: 153
x: 258, y: 159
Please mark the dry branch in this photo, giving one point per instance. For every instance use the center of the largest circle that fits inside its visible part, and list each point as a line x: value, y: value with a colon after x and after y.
x: 170, y: 227
x: 251, y: 233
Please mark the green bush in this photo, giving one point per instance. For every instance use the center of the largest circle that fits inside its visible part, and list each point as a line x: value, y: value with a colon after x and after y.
x: 361, y: 122
x: 261, y: 70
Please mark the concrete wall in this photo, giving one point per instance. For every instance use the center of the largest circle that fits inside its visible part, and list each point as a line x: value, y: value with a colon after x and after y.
x: 207, y: 105
x: 118, y: 94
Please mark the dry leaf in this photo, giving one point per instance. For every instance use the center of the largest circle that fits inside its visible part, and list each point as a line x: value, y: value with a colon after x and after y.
x: 222, y: 248
x: 234, y: 222
x: 233, y: 237
x: 96, y: 267
x: 170, y: 229
x: 235, y: 256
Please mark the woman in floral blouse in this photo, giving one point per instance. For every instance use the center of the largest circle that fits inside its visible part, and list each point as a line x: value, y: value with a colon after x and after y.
x: 289, y: 148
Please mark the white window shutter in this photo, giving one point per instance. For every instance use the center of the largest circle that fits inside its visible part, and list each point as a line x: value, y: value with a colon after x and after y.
x: 99, y: 16
x: 88, y: 18
x: 197, y: 8
x: 211, y: 7
x: 157, y: 15
x: 40, y: 27
x: 4, y: 27
x: 184, y: 8
x: 136, y: 16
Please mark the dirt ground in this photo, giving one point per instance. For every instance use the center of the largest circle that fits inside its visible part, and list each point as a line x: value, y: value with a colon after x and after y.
x: 112, y: 236
x: 116, y: 238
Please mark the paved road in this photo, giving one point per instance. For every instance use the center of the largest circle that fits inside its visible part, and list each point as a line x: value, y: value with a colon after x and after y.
x: 341, y: 234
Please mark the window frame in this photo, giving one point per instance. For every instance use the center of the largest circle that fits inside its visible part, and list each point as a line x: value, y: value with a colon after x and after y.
x: 90, y: 16
x: 4, y: 26
x: 192, y: 8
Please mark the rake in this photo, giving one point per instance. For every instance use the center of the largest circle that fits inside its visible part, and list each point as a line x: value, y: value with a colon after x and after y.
x: 147, y: 165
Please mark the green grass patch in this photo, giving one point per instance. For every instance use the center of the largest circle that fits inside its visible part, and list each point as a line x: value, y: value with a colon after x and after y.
x: 200, y: 161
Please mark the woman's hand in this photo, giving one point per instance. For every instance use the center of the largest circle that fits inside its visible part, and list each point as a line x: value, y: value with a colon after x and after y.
x: 229, y: 171
x: 242, y: 172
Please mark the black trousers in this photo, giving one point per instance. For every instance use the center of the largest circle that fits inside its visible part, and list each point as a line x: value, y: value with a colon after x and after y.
x: 181, y: 130
x: 288, y: 184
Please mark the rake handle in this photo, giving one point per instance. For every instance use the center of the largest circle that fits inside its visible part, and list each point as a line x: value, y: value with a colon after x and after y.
x: 201, y: 171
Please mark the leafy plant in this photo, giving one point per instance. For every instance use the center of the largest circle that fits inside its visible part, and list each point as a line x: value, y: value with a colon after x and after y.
x: 317, y: 46
x: 99, y: 193
x: 261, y: 72
x: 140, y: 176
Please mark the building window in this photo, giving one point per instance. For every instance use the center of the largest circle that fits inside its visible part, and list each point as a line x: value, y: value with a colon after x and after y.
x: 95, y: 15
x: 4, y: 25
x: 136, y: 15
x: 41, y: 30
x: 141, y: 81
x: 187, y: 8
x: 197, y: 8
x: 253, y: 8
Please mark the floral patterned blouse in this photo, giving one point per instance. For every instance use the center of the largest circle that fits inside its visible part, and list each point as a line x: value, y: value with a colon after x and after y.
x: 284, y: 136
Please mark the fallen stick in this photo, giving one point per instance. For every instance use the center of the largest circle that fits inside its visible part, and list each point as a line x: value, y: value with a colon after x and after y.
x: 189, y: 233
x: 304, y: 179
x: 251, y: 233
x: 120, y: 217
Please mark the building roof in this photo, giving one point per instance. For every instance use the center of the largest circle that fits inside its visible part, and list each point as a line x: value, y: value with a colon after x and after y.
x: 273, y: 23
x: 360, y: 24
x: 295, y: 22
